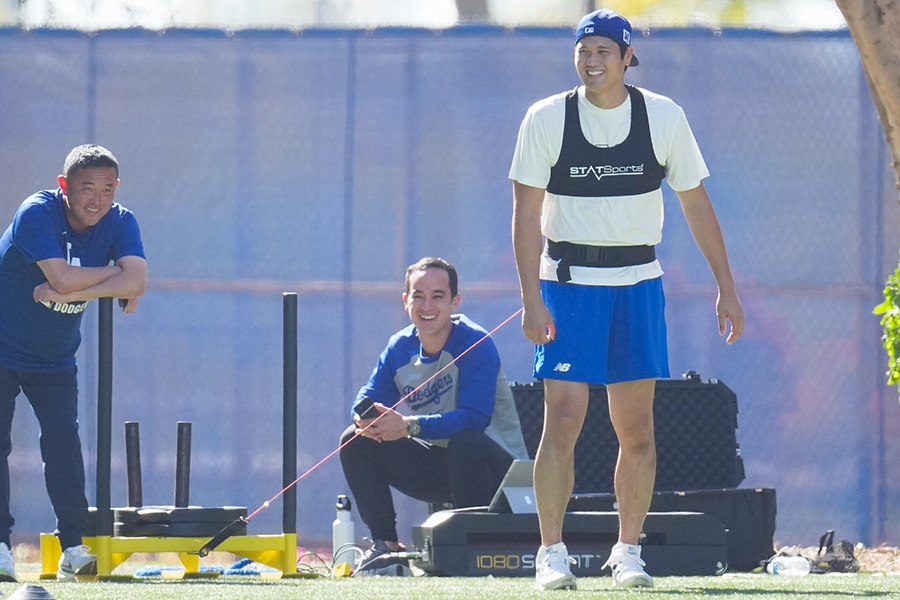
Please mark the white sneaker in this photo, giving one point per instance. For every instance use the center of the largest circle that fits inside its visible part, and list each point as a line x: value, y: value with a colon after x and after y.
x: 552, y: 571
x: 627, y: 566
x: 7, y: 563
x: 74, y: 560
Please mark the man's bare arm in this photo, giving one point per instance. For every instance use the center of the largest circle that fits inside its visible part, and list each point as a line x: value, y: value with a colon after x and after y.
x: 65, y: 278
x: 701, y: 218
x: 128, y: 280
x: 537, y: 323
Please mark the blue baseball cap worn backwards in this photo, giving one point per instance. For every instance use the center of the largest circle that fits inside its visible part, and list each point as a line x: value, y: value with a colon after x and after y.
x: 609, y: 24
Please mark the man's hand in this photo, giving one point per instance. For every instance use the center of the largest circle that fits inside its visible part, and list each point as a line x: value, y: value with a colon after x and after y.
x: 130, y: 305
x: 729, y: 308
x: 46, y: 293
x: 538, y: 324
x: 388, y: 426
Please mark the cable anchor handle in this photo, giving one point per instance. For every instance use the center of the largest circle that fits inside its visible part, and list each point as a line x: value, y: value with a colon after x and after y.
x: 226, y: 532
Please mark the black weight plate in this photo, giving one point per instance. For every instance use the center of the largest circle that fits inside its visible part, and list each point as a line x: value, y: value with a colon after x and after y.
x: 204, y: 529
x: 170, y: 515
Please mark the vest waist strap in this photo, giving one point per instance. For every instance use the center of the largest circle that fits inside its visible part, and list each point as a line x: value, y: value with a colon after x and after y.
x: 584, y: 255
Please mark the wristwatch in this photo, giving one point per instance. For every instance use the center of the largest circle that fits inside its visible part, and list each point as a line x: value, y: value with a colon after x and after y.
x: 413, y: 427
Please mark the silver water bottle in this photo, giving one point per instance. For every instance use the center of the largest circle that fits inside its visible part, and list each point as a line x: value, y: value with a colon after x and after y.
x: 343, y: 534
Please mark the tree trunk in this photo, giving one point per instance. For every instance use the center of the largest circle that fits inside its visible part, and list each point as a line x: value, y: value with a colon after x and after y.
x: 875, y: 27
x: 472, y: 10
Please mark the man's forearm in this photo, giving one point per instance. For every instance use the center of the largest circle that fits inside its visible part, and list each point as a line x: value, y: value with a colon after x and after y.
x: 707, y: 233
x: 123, y: 285
x: 527, y: 239
x: 129, y: 280
x: 65, y: 278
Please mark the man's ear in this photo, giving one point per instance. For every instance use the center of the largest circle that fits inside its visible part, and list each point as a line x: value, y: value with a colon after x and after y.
x: 404, y: 300
x: 454, y: 303
x: 61, y: 180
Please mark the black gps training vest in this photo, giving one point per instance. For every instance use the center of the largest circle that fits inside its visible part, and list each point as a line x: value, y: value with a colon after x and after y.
x: 627, y: 169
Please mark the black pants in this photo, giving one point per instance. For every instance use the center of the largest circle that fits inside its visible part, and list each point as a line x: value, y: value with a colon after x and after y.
x: 466, y: 473
x: 54, y: 398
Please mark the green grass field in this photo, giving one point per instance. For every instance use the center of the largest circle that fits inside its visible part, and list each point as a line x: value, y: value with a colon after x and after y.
x: 746, y: 586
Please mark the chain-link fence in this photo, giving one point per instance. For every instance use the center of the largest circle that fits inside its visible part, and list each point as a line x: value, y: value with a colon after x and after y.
x: 325, y: 161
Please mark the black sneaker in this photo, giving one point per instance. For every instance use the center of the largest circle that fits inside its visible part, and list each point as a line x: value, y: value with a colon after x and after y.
x: 377, y: 560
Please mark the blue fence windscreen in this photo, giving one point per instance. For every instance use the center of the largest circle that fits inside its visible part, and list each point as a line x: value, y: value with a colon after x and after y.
x: 324, y: 162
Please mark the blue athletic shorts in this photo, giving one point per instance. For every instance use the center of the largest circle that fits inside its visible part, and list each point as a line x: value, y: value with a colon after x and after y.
x: 604, y: 334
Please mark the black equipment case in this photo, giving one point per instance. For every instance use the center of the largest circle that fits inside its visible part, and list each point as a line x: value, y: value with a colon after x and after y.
x: 471, y: 543
x: 698, y: 524
x: 696, y: 439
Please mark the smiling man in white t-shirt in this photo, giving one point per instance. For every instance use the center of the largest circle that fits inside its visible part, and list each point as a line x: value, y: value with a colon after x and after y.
x: 587, y: 174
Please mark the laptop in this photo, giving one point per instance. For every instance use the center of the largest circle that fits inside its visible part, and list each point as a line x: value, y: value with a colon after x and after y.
x: 516, y: 491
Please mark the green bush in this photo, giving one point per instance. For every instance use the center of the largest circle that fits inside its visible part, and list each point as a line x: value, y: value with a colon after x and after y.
x: 890, y: 308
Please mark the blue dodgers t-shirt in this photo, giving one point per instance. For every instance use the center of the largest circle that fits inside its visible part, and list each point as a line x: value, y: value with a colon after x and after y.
x: 39, y: 336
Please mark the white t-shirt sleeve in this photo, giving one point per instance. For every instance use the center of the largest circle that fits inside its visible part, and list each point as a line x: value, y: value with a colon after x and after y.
x: 538, y: 144
x: 680, y: 154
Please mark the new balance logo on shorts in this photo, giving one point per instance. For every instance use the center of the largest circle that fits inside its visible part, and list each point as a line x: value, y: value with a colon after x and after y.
x: 562, y: 367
